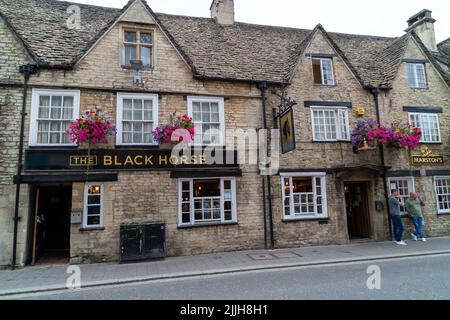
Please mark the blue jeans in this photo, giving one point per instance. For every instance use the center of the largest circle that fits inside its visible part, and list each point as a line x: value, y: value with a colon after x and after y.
x: 419, y: 223
x: 398, y: 228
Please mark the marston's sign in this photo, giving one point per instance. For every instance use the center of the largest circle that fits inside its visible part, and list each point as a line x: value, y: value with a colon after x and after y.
x: 427, y: 158
x: 152, y: 159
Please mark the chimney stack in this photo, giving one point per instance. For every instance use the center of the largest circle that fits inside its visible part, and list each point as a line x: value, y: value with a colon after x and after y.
x: 423, y: 24
x: 223, y: 11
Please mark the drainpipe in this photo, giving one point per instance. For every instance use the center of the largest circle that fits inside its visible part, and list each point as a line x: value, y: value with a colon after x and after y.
x: 262, y: 86
x: 27, y: 71
x: 376, y: 92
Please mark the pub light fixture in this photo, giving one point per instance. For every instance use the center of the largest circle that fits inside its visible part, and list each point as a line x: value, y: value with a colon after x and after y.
x: 137, y: 65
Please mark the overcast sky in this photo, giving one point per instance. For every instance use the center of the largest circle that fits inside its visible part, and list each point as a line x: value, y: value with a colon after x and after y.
x: 381, y: 17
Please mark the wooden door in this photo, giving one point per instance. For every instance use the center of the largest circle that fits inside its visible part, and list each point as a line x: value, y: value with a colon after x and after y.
x: 358, y: 213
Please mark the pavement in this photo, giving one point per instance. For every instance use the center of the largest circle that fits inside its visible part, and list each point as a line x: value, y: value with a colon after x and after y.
x: 54, y: 277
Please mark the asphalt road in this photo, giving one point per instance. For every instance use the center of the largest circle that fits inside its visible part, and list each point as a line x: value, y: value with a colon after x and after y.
x: 409, y: 278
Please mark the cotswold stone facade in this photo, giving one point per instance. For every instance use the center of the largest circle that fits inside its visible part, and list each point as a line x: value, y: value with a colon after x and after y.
x: 231, y: 74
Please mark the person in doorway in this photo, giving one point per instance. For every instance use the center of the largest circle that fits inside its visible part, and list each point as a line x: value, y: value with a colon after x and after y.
x: 394, y: 208
x: 414, y: 207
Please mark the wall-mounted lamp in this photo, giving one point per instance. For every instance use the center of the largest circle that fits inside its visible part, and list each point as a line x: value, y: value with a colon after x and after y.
x: 137, y: 65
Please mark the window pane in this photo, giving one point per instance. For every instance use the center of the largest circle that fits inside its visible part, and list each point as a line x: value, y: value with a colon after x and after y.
x: 95, y: 199
x: 137, y: 138
x: 130, y: 36
x: 44, y: 113
x: 55, y: 126
x: 130, y: 53
x: 67, y: 113
x: 148, y: 105
x: 228, y: 216
x: 196, y: 107
x: 327, y: 72
x: 44, y: 101
x: 56, y: 101
x: 317, y: 71
x: 207, y: 188
x: 302, y: 185
x: 55, y: 113
x: 411, y: 75
x: 68, y: 102
x: 55, y: 138
x: 186, y: 218
x: 43, y: 138
x: 421, y: 79
x: 93, y: 220
x: 94, y: 189
x: 44, y: 126
x: 146, y: 38
x: 146, y: 56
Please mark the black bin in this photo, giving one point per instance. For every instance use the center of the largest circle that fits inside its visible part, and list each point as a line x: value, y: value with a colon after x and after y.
x: 142, y: 241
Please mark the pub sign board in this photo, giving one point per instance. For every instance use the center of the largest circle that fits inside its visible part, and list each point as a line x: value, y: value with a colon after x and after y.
x: 427, y: 158
x: 287, y: 131
x: 126, y: 159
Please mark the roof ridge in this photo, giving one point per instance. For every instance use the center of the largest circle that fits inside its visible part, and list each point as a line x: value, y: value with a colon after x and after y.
x: 278, y: 27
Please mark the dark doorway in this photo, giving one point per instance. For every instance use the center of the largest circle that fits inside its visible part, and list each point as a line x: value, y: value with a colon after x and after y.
x: 52, y: 225
x: 357, y: 207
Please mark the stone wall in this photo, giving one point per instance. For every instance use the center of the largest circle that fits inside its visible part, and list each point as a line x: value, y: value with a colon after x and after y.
x: 436, y: 95
x: 321, y: 155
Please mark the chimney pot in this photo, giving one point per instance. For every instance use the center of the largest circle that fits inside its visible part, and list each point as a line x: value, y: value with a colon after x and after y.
x: 422, y: 24
x: 223, y: 11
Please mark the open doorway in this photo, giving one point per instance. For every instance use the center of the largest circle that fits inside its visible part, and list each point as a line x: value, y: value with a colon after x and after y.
x: 358, y: 211
x: 51, y: 243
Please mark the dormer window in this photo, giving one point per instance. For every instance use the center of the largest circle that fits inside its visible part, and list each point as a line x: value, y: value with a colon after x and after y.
x: 323, y: 71
x: 416, y: 75
x: 138, y: 45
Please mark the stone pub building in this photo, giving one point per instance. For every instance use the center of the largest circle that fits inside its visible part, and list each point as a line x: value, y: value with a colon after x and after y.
x: 58, y: 60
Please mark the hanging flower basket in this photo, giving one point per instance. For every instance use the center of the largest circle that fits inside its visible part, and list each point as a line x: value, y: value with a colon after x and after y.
x: 92, y: 128
x: 362, y: 138
x: 368, y: 134
x: 176, y: 130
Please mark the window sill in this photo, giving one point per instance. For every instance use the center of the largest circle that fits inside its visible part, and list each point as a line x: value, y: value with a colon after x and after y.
x: 136, y: 146
x: 205, y: 225
x: 414, y: 88
x: 443, y: 214
x: 435, y: 143
x: 331, y: 141
x: 62, y: 146
x: 125, y: 67
x: 92, y: 229
x: 325, y: 85
x: 306, y: 220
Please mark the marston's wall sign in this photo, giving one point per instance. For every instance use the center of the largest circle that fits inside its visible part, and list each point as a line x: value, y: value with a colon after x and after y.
x: 427, y: 158
x: 151, y: 159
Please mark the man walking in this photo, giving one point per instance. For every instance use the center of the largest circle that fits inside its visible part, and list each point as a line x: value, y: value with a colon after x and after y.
x: 394, y: 208
x: 414, y: 207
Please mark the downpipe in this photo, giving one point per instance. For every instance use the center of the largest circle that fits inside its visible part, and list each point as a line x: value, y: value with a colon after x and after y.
x: 376, y: 93
x: 27, y: 71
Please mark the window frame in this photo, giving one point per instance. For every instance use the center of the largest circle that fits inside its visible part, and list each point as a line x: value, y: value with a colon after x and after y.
x: 321, y: 71
x: 439, y: 211
x: 85, y: 205
x: 138, y: 31
x: 119, y: 116
x: 222, y: 221
x: 221, y: 102
x: 416, y: 84
x: 411, y: 188
x: 34, y: 116
x: 313, y: 175
x: 420, y: 119
x: 339, y: 130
